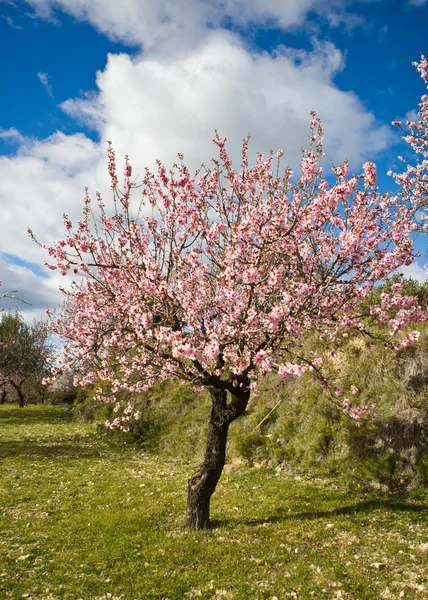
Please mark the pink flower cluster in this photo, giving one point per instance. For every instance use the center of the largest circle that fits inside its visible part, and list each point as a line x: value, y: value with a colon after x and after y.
x: 289, y: 369
x: 359, y: 413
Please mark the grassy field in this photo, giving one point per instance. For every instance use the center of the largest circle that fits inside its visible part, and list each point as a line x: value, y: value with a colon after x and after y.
x: 83, y: 517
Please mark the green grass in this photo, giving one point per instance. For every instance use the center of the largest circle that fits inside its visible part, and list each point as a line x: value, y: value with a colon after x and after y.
x: 82, y: 516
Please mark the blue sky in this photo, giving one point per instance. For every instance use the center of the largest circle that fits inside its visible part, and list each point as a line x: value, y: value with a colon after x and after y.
x: 378, y: 54
x: 157, y: 76
x: 69, y: 53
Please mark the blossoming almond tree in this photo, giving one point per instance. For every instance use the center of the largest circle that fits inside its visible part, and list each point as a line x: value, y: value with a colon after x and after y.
x: 214, y: 279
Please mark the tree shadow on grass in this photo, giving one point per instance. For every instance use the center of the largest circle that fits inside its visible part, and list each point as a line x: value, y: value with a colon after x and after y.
x: 31, y: 415
x: 282, y: 515
x: 71, y: 447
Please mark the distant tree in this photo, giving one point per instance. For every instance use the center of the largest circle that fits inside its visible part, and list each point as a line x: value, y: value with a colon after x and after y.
x: 24, y: 353
x: 221, y: 283
x: 5, y: 388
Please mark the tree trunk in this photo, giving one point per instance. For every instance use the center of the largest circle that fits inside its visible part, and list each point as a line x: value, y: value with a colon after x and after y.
x: 21, y: 398
x: 3, y: 395
x: 43, y: 391
x: 202, y: 484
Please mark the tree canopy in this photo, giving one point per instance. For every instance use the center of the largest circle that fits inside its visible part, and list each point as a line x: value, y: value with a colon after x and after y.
x: 24, y: 352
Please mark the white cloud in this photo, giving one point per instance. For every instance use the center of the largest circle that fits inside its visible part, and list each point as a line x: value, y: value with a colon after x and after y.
x: 171, y: 99
x: 86, y: 110
x: 411, y: 115
x: 43, y: 180
x: 182, y: 24
x: 415, y: 271
x: 44, y: 80
x: 418, y: 2
x: 337, y: 18
x: 12, y: 135
x: 33, y: 293
x: 153, y: 107
x: 11, y: 22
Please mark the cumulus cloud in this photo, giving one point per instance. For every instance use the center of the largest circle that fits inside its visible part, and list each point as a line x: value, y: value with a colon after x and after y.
x: 411, y: 115
x: 170, y: 98
x: 40, y: 182
x: 33, y: 293
x: 151, y: 107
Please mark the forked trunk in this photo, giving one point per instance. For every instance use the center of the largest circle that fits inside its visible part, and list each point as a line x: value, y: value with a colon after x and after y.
x: 202, y: 484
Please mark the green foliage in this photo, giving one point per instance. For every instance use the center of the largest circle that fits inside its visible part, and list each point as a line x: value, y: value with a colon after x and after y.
x: 173, y: 420
x: 24, y: 355
x: 248, y: 446
x: 86, y: 408
x: 392, y: 452
x: 63, y: 397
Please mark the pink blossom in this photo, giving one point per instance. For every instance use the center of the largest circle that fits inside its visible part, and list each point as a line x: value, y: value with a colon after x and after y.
x: 221, y: 283
x: 369, y: 174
